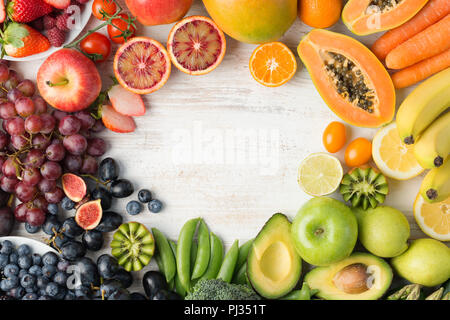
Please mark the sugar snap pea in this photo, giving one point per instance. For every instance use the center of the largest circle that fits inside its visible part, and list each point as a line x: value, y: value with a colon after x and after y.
x: 243, y: 254
x: 305, y: 293
x: 215, y: 259
x: 229, y: 263
x: 203, y: 251
x: 183, y: 256
x: 240, y: 276
x: 178, y: 287
x: 166, y: 255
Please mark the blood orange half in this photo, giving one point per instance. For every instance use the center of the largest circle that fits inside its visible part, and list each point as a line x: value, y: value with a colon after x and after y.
x: 142, y: 65
x: 196, y: 45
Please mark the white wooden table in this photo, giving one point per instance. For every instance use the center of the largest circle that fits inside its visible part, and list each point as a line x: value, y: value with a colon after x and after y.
x: 201, y: 118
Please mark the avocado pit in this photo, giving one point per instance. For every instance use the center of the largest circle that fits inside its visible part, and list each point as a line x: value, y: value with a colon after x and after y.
x: 353, y: 279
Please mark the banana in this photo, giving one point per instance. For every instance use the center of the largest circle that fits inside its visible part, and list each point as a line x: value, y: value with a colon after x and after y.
x: 425, y: 103
x: 433, y: 146
x: 436, y: 184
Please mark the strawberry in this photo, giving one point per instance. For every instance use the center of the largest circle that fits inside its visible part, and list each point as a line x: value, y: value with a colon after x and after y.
x: 2, y: 12
x: 20, y: 40
x: 115, y: 121
x: 28, y: 10
x: 58, y: 4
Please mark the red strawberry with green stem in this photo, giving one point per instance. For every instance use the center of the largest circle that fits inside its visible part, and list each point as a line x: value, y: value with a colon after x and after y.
x: 20, y: 40
x: 27, y: 10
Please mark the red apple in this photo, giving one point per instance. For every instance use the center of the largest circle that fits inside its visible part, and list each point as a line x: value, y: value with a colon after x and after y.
x: 68, y: 80
x: 155, y: 12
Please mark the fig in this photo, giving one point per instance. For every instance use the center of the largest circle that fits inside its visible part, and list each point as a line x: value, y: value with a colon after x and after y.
x: 133, y: 246
x: 89, y: 215
x: 6, y: 221
x: 110, y: 222
x: 74, y: 187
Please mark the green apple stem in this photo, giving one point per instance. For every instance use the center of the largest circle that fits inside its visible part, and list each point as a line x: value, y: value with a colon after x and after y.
x: 57, y: 84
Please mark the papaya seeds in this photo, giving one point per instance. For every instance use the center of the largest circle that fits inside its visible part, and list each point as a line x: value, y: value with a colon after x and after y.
x: 133, y: 246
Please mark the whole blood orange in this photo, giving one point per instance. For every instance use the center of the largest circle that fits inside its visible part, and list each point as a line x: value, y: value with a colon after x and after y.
x: 196, y: 45
x: 142, y: 65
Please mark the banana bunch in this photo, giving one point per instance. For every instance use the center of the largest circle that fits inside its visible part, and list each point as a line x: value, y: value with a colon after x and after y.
x: 423, y: 119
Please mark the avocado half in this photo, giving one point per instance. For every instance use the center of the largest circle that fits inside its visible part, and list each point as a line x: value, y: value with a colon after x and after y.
x: 273, y: 264
x: 362, y: 276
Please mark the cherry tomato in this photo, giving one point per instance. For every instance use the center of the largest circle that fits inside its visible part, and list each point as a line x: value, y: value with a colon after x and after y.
x: 358, y: 152
x: 118, y: 31
x: 107, y: 6
x: 334, y: 136
x: 98, y: 44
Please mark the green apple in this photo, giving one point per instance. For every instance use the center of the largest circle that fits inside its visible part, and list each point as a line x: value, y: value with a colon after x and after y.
x: 426, y: 262
x: 324, y: 231
x: 383, y: 231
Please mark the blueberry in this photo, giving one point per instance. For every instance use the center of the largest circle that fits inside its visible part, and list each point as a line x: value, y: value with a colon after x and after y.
x: 155, y: 206
x: 67, y: 204
x: 82, y: 291
x: 22, y: 272
x: 9, y: 283
x: 48, y: 270
x: 11, y: 270
x: 53, y: 290
x: 44, y: 297
x: 13, y: 258
x: 6, y: 247
x: 24, y: 250
x: 30, y: 296
x: 4, y: 259
x: 134, y: 208
x: 16, y: 292
x: 53, y: 209
x: 37, y: 259
x: 63, y: 265
x: 35, y: 270
x: 144, y: 196
x: 31, y: 289
x: 60, y: 278
x: 24, y: 262
x: 42, y: 282
x: 31, y: 229
x: 50, y: 258
x: 70, y: 295
x: 27, y: 281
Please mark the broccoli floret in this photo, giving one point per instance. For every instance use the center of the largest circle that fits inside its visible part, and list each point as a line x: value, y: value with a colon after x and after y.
x: 217, y: 289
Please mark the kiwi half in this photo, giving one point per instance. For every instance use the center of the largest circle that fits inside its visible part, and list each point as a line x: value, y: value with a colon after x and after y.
x: 133, y: 246
x: 364, y: 187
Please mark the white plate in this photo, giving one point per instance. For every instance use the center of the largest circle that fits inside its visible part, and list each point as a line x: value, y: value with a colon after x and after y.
x: 85, y: 14
x: 35, y: 246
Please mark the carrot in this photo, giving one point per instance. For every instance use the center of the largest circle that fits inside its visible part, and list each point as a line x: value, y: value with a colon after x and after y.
x: 431, y: 41
x: 421, y: 70
x: 433, y: 11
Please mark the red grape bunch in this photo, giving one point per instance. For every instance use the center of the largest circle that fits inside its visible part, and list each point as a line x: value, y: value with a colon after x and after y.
x: 38, y: 144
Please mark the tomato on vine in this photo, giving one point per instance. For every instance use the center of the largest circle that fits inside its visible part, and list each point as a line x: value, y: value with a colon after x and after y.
x: 102, y: 7
x: 121, y: 28
x: 358, y: 152
x: 334, y: 136
x: 97, y: 46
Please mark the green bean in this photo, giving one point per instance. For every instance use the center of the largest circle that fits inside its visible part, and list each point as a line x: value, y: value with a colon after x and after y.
x: 178, y: 287
x: 215, y: 259
x: 183, y: 256
x: 229, y: 263
x: 203, y: 251
x: 243, y: 254
x: 166, y: 254
x: 240, y: 276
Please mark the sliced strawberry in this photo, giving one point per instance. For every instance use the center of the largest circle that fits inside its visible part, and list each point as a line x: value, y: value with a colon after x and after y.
x: 117, y: 122
x: 58, y: 4
x: 126, y: 102
x: 2, y: 12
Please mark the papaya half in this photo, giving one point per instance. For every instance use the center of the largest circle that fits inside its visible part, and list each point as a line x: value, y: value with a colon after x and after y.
x: 349, y: 77
x: 363, y: 17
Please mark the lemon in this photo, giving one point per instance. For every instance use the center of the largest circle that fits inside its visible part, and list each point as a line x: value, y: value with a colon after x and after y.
x: 394, y: 158
x: 433, y: 218
x: 320, y: 174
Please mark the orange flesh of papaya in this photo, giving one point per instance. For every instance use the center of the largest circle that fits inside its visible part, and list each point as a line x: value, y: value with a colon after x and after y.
x: 361, y: 19
x: 312, y: 50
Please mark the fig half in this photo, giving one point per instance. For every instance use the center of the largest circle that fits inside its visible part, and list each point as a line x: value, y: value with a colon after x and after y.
x: 89, y: 215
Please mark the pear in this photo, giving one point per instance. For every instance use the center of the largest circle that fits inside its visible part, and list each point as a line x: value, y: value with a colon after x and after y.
x: 426, y: 262
x: 383, y: 231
